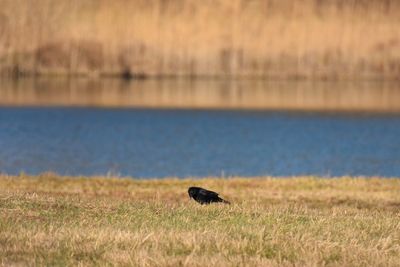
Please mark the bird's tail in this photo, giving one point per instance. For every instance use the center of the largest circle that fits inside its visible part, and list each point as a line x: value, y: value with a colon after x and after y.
x: 224, y: 201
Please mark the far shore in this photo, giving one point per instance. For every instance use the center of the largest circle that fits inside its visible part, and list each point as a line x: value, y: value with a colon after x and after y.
x: 309, y: 39
x: 211, y: 94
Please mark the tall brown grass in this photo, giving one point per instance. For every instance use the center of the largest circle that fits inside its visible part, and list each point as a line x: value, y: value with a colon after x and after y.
x: 341, y: 39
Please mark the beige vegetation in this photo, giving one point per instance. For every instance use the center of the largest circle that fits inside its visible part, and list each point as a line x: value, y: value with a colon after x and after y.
x: 332, y: 39
x: 304, y: 221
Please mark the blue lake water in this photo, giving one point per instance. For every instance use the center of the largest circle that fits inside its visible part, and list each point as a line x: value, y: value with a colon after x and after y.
x: 147, y: 143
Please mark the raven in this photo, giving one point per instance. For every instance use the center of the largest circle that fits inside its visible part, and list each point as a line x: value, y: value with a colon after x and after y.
x: 204, y: 196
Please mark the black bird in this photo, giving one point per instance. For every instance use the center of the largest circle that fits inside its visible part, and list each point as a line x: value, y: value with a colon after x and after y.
x: 204, y: 196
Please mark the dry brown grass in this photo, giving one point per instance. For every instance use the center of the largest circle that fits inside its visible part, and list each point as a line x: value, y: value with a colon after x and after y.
x: 335, y: 39
x: 50, y: 220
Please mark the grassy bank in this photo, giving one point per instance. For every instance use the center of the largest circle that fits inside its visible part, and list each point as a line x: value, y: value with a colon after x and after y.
x: 331, y: 39
x: 49, y: 220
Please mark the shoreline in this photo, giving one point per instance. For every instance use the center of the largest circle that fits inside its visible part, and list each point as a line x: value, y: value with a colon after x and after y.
x: 253, y: 95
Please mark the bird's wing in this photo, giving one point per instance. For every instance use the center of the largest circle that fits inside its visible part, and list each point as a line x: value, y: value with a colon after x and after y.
x: 208, y: 193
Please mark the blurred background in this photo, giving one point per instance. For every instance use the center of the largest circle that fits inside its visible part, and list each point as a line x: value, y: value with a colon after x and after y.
x: 327, y: 39
x: 157, y: 88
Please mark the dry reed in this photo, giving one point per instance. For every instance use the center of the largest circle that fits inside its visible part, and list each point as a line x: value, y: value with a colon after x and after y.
x: 333, y: 39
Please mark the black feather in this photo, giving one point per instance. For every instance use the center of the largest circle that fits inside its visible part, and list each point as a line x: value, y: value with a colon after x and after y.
x: 204, y: 196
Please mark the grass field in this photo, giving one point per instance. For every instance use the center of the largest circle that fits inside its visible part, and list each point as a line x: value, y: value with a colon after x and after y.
x: 304, y: 221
